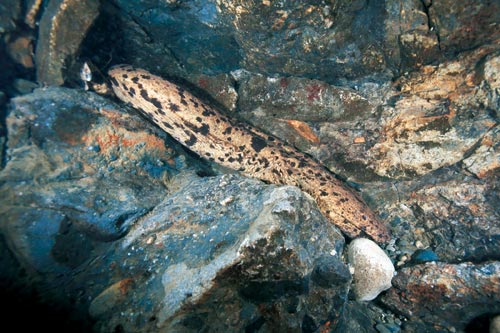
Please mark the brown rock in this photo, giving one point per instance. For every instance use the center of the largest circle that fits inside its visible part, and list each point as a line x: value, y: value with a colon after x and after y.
x: 446, y: 294
x: 63, y: 26
x: 20, y: 49
x: 438, y: 117
x: 463, y: 25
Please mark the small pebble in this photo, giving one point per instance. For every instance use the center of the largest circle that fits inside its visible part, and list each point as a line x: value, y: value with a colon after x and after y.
x: 373, y: 270
x: 426, y: 255
x: 495, y: 324
x: 419, y: 245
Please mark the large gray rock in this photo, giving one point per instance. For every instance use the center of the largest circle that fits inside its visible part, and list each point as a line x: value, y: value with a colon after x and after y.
x: 227, y: 254
x: 78, y: 173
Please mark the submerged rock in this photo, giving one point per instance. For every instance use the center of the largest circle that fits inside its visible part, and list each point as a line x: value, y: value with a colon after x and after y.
x: 78, y: 172
x: 461, y: 292
x: 227, y: 253
x: 373, y: 270
x: 63, y: 27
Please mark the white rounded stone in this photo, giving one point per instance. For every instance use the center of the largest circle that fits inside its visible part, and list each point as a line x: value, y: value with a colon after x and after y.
x: 373, y: 270
x: 495, y: 324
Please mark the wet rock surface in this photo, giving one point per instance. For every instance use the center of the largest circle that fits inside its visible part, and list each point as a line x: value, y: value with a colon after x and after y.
x: 453, y: 288
x: 107, y: 222
x: 57, y: 45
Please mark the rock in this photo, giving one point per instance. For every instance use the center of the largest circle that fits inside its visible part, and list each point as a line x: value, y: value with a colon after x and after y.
x: 456, y: 23
x: 258, y: 252
x: 10, y: 12
x: 373, y: 270
x: 110, y: 297
x: 23, y: 87
x: 431, y: 125
x: 68, y: 197
x: 63, y: 27
x: 20, y: 50
x: 457, y: 211
x: 302, y: 112
x: 485, y: 159
x: 461, y: 292
x: 357, y: 318
x: 421, y: 256
x: 495, y: 325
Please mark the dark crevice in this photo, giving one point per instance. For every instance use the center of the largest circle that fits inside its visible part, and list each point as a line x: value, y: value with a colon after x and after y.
x: 430, y: 23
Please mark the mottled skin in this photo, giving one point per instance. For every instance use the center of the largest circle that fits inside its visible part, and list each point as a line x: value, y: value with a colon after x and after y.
x: 221, y: 139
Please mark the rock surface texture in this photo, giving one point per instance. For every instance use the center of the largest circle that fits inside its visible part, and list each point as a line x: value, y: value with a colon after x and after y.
x: 373, y: 269
x: 107, y: 224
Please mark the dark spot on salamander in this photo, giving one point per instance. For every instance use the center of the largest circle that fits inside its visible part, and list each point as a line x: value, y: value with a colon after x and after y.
x: 144, y: 76
x: 167, y: 125
x: 192, y: 140
x: 156, y: 102
x: 344, y: 200
x: 220, y: 159
x: 323, y: 193
x: 198, y: 119
x: 264, y: 161
x: 227, y: 130
x: 241, y: 148
x: 276, y: 172
x: 207, y: 112
x: 302, y: 164
x: 290, y: 172
x: 125, y: 75
x: 258, y: 143
x: 144, y: 94
x: 132, y: 91
x: 114, y: 81
x: 160, y: 111
x: 135, y: 79
x: 124, y: 87
x: 203, y: 129
x: 183, y: 102
x: 363, y: 217
x: 180, y: 90
x: 173, y: 107
x: 231, y: 159
x: 271, y: 138
x: 195, y: 103
x: 140, y: 86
